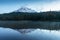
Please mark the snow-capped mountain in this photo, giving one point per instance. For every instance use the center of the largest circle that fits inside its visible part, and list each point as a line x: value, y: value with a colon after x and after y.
x: 25, y: 9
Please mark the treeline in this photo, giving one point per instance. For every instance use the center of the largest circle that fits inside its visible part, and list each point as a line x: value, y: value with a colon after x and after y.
x: 42, y: 16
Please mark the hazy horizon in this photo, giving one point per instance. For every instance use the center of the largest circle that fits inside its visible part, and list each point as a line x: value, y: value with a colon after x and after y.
x: 38, y: 5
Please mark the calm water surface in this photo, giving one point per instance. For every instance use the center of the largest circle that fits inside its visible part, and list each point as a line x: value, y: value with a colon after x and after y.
x: 28, y: 34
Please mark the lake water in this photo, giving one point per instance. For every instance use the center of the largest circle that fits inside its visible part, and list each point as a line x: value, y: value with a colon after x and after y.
x: 28, y: 34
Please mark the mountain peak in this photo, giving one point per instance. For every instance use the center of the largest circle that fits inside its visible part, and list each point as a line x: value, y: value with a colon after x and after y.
x: 25, y: 9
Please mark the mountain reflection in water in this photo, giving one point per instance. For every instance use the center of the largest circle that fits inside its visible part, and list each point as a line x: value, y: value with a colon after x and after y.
x: 28, y: 34
x: 26, y: 30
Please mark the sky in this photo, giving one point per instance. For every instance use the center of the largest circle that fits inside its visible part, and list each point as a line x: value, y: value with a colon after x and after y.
x: 38, y: 5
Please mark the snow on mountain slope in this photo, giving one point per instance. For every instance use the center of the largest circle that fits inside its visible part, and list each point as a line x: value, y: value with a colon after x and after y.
x: 25, y: 9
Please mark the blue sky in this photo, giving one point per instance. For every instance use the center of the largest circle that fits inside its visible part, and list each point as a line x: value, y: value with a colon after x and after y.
x: 38, y: 5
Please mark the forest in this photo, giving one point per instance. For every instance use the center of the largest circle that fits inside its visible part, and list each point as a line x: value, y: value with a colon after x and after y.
x: 42, y: 16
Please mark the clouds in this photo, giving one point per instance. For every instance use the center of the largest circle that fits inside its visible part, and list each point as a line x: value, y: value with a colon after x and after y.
x: 46, y: 6
x: 38, y: 5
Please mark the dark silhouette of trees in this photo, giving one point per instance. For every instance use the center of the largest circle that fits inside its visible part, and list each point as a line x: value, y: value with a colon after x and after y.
x: 43, y: 16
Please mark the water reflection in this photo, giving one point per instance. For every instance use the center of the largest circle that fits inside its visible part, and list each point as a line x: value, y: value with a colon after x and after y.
x: 9, y: 34
x: 25, y: 31
x: 40, y: 34
x: 29, y: 34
